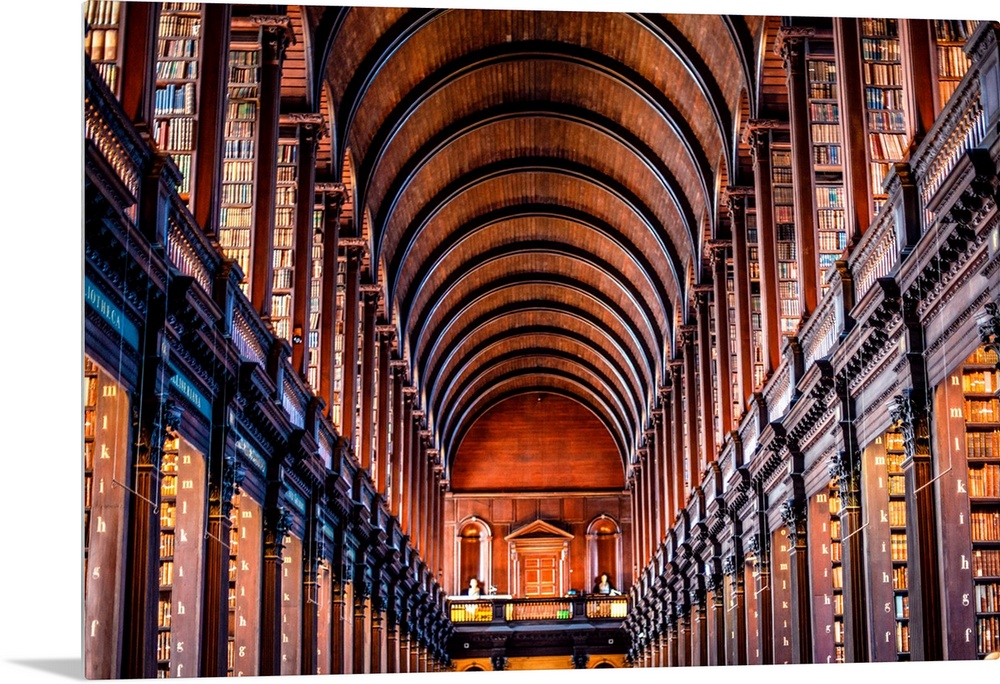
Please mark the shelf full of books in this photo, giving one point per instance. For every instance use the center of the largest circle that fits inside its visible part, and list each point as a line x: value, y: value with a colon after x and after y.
x: 896, y: 484
x: 315, y: 295
x: 337, y: 410
x: 240, y: 155
x: 89, y: 445
x: 982, y: 425
x: 827, y: 155
x: 283, y: 256
x: 752, y: 261
x: 784, y: 227
x: 837, y: 573
x: 885, y: 117
x: 950, y: 36
x: 101, y: 39
x: 178, y: 54
x: 168, y: 521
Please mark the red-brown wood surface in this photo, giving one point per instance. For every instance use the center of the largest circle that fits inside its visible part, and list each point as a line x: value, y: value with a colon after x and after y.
x: 537, y: 442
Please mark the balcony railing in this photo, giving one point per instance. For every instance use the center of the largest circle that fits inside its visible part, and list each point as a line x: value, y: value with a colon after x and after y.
x: 507, y: 610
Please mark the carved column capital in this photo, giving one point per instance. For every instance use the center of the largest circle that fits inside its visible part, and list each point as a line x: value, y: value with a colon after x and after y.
x: 276, y: 526
x: 687, y: 334
x: 789, y: 44
x: 221, y: 493
x: 276, y: 35
x: 793, y: 515
x: 718, y: 251
x: 845, y: 468
x: 989, y: 329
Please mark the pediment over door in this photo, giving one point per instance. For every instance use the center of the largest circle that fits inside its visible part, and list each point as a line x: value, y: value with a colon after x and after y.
x: 538, y: 530
x: 539, y: 560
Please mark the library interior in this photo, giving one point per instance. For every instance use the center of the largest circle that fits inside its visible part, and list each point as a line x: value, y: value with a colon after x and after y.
x: 424, y: 340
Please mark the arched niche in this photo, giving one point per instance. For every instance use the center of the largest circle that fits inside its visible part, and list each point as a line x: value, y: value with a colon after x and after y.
x: 473, y: 554
x: 604, y: 550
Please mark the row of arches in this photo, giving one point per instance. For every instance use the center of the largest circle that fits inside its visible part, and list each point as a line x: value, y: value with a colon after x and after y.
x: 477, y: 557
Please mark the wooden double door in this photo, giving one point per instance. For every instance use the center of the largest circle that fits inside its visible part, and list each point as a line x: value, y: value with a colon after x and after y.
x: 540, y: 574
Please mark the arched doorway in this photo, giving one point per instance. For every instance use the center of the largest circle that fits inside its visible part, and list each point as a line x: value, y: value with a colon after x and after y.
x: 604, y: 550
x: 473, y: 557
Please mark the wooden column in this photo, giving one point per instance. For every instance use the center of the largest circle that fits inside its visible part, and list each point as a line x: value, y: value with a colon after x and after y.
x: 140, y: 22
x: 650, y: 511
x: 225, y: 476
x: 398, y: 441
x: 643, y: 520
x: 732, y: 568
x: 392, y: 633
x: 916, y: 45
x: 310, y: 129
x: 724, y: 378
x: 404, y: 651
x: 707, y: 407
x: 854, y: 147
x: 385, y: 387
x: 375, y: 665
x: 633, y: 500
x: 437, y: 528
x: 677, y: 397
x: 427, y: 507
x: 793, y: 515
x: 847, y: 470
x: 406, y: 484
x: 759, y: 547
x: 717, y: 638
x: 684, y: 637
x: 310, y: 590
x: 759, y: 139
x: 791, y: 46
x: 664, y: 476
x: 363, y: 449
x: 333, y: 198
x: 361, y: 607
x: 699, y: 628
x: 139, y: 628
x: 274, y: 41
x: 655, y: 435
x: 691, y: 407
x: 737, y: 198
x: 416, y: 510
x: 338, y: 590
x: 672, y: 641
x: 277, y: 522
x: 909, y: 411
x: 206, y: 181
x: 352, y: 302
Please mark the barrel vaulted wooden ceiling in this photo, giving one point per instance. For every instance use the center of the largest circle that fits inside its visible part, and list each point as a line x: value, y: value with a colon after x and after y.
x: 536, y: 189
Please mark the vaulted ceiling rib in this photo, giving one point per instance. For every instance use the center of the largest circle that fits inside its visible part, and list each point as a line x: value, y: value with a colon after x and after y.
x: 537, y: 185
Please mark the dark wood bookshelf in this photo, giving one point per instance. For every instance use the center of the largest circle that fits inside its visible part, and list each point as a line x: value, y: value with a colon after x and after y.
x: 102, y: 39
x: 885, y: 102
x: 178, y: 59
x: 827, y: 154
